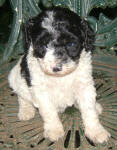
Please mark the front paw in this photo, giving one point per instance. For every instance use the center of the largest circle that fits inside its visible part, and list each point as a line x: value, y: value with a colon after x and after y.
x: 53, y: 132
x: 97, y: 134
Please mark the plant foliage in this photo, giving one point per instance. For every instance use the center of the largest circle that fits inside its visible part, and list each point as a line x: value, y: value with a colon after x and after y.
x: 105, y: 28
x: 2, y: 2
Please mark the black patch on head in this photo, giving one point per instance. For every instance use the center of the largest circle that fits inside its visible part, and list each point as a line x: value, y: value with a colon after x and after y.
x: 25, y: 70
x: 36, y: 35
x: 69, y: 45
x: 68, y: 21
x: 73, y: 34
x: 40, y: 44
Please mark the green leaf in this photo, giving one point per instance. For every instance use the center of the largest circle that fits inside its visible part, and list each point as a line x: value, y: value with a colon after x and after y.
x: 22, y: 11
x: 47, y: 3
x: 106, y: 32
x: 74, y: 5
x: 88, y: 5
x: 2, y: 2
x: 81, y: 7
x: 17, y: 20
x: 103, y: 3
x: 30, y: 9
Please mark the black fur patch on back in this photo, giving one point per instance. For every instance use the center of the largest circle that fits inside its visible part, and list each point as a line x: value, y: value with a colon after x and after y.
x: 25, y: 70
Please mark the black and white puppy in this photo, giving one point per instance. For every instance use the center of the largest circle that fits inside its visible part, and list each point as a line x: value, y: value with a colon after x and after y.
x: 56, y: 72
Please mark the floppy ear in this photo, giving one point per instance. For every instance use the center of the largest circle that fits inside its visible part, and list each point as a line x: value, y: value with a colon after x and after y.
x: 88, y: 36
x: 27, y: 29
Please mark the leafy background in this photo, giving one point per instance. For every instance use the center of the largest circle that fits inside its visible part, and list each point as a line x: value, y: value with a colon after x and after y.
x: 15, y: 12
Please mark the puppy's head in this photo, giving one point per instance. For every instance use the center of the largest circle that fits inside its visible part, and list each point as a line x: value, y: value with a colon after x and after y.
x: 58, y: 36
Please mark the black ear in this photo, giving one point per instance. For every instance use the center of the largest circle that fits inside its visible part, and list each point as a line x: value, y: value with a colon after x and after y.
x: 88, y: 36
x: 27, y: 29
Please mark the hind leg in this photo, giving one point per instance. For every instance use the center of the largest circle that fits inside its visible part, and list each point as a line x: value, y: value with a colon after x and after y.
x: 26, y: 109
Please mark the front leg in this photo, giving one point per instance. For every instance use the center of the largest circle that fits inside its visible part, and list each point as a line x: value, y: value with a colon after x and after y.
x: 87, y: 104
x: 53, y: 128
x: 86, y: 100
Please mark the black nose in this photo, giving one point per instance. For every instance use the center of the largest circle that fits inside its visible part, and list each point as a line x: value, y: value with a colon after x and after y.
x: 56, y: 69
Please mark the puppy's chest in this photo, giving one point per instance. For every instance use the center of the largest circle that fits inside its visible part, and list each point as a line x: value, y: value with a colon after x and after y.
x: 60, y: 88
x: 61, y: 91
x: 59, y: 85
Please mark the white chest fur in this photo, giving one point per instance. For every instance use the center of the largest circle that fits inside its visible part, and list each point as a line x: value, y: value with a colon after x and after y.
x: 60, y: 90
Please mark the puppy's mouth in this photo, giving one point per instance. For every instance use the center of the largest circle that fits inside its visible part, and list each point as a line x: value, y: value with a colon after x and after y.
x: 59, y: 70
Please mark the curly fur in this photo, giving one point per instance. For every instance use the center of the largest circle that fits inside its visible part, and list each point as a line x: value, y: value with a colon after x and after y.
x: 56, y: 72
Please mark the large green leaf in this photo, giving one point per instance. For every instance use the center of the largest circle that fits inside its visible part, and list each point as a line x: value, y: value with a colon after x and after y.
x: 17, y: 20
x: 2, y: 2
x: 106, y: 32
x: 82, y: 7
x: 22, y: 11
x: 30, y: 8
x: 88, y: 5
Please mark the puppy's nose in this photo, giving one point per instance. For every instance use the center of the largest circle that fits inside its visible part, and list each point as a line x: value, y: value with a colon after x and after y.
x: 56, y: 69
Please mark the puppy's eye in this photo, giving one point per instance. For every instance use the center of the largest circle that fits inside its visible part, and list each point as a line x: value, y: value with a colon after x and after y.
x: 70, y: 44
x: 42, y: 46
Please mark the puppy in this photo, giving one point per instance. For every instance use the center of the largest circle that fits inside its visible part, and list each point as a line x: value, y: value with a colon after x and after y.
x: 56, y: 72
